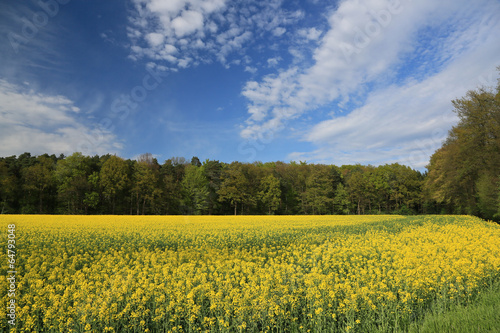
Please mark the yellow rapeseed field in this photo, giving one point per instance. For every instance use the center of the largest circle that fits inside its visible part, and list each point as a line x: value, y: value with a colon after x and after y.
x: 241, y: 274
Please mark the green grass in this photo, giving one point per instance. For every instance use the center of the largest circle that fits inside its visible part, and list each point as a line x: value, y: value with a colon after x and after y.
x: 481, y: 316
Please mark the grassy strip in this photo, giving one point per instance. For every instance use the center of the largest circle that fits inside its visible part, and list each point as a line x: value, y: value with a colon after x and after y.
x: 483, y: 315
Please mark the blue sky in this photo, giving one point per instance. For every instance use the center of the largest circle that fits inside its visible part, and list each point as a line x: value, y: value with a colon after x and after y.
x: 353, y: 81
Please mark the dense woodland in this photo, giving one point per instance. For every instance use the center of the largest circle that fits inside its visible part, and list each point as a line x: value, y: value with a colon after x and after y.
x: 108, y: 184
x: 462, y: 178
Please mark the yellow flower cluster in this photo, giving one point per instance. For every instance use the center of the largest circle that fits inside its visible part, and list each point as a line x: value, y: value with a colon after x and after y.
x: 243, y: 274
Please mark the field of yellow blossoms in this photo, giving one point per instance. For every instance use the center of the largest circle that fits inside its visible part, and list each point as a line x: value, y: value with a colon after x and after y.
x: 241, y: 274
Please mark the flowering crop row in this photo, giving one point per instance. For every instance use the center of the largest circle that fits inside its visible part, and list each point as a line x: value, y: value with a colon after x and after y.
x: 243, y: 274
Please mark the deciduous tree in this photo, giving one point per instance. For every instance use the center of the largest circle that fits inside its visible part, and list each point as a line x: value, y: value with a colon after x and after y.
x: 270, y: 192
x: 113, y: 179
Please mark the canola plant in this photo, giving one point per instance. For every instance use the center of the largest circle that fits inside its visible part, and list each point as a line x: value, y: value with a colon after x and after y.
x: 241, y: 274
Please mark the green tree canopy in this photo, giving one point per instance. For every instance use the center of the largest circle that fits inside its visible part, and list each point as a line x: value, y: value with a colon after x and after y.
x: 113, y: 179
x: 464, y: 173
x: 270, y: 192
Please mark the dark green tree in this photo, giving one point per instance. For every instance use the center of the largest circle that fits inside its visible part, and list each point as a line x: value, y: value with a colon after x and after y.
x: 234, y: 185
x: 113, y: 179
x: 92, y: 196
x: 341, y: 202
x: 8, y: 184
x: 38, y: 182
x: 319, y: 190
x: 357, y: 188
x: 145, y: 189
x: 213, y: 171
x: 270, y: 193
x: 72, y: 178
x: 195, y: 161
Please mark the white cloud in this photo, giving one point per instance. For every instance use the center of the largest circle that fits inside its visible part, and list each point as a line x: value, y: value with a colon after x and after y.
x: 40, y: 123
x: 404, y: 123
x: 187, y: 23
x: 154, y: 39
x: 267, y: 95
x: 367, y: 44
x: 310, y: 34
x: 184, y: 63
x: 272, y: 62
x: 195, y: 27
x: 279, y: 31
x: 344, y: 60
x: 250, y: 69
x: 397, y: 124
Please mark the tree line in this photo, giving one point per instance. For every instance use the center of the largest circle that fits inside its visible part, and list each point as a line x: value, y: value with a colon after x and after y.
x: 462, y: 178
x: 108, y: 184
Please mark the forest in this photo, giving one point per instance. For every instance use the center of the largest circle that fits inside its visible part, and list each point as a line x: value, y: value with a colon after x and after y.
x: 461, y: 178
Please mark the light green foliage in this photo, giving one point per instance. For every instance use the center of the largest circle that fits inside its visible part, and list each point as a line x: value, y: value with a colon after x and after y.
x: 270, y: 193
x: 195, y: 188
x: 463, y: 173
x: 233, y: 186
x: 113, y: 178
x: 319, y: 190
x: 72, y: 177
x: 341, y: 201
x: 92, y: 196
x: 146, y: 188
